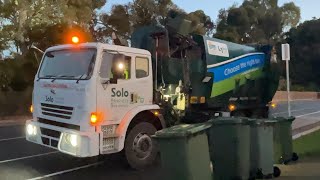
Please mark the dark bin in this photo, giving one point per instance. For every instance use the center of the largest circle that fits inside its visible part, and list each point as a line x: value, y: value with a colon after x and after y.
x: 184, y: 152
x: 261, y: 152
x: 283, y: 149
x: 229, y: 144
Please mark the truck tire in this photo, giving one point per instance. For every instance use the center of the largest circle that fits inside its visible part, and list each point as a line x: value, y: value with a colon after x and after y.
x: 140, y: 149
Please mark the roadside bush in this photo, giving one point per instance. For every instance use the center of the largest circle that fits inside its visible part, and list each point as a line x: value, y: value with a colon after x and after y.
x: 16, y: 82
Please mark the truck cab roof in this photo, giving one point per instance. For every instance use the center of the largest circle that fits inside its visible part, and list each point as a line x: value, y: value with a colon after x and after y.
x: 103, y: 46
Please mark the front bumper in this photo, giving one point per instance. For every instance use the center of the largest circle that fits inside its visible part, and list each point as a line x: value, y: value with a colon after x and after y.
x: 81, y: 144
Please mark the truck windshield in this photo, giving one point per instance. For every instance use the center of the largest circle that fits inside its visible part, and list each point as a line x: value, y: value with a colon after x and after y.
x: 68, y: 64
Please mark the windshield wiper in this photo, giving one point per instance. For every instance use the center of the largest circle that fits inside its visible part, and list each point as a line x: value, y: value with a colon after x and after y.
x: 66, y: 76
x: 80, y: 78
x: 60, y: 76
x: 51, y: 76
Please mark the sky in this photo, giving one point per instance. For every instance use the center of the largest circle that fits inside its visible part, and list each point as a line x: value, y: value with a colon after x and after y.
x: 309, y: 8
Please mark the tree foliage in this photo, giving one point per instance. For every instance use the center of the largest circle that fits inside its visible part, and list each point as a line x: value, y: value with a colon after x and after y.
x: 20, y: 19
x: 257, y: 21
x: 305, y: 48
x: 43, y: 23
x: 123, y: 19
x: 50, y: 22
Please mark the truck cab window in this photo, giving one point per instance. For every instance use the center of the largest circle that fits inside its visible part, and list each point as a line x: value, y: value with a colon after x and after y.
x: 127, y: 68
x: 142, y: 67
x: 107, y: 63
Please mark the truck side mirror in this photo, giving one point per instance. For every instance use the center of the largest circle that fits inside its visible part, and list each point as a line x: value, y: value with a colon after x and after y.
x: 118, y: 68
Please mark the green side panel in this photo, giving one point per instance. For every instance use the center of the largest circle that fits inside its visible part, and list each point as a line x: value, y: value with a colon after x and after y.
x: 230, y: 84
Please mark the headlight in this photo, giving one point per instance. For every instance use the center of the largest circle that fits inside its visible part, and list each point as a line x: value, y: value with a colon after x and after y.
x: 70, y: 143
x: 74, y: 140
x: 71, y: 139
x: 31, y: 130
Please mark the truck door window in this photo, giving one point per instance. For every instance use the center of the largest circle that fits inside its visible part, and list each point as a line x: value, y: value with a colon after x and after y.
x: 105, y: 69
x: 142, y: 67
x: 106, y: 65
x: 127, y: 68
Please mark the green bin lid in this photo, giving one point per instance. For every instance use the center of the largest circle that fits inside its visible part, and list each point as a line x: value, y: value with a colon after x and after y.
x: 291, y: 119
x: 231, y: 120
x: 182, y: 130
x: 262, y: 121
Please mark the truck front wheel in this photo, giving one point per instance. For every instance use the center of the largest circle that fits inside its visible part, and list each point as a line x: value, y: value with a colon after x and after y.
x: 140, y: 149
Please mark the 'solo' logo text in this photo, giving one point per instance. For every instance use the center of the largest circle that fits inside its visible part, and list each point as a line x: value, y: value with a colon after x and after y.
x: 49, y: 99
x: 119, y: 93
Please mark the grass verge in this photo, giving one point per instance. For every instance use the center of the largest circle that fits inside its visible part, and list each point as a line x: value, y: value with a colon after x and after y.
x: 308, y: 145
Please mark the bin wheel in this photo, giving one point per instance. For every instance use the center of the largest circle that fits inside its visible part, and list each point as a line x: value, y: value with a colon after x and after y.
x: 253, y: 175
x: 286, y: 162
x: 295, y: 157
x: 276, y: 171
x: 259, y: 174
x: 140, y: 149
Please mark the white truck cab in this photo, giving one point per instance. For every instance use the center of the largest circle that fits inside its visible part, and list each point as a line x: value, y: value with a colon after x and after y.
x: 92, y: 98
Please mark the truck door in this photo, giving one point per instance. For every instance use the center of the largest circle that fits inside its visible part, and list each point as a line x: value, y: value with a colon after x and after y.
x: 133, y: 89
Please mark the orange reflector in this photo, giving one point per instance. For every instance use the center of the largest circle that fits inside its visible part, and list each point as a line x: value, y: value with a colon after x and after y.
x: 194, y: 100
x: 75, y: 39
x: 31, y: 108
x: 202, y: 100
x: 93, y: 119
x: 232, y: 107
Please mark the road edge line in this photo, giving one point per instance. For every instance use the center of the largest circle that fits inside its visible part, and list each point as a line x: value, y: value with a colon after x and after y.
x: 299, y: 135
x: 9, y: 139
x: 67, y: 171
x: 27, y: 157
x: 6, y: 123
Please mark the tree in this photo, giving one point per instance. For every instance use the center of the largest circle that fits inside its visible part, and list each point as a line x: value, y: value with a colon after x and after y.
x: 123, y: 19
x: 257, y: 21
x: 201, y: 22
x: 19, y: 18
x: 305, y: 49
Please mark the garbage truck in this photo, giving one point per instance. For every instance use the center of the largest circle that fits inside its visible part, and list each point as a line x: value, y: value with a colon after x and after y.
x: 93, y: 99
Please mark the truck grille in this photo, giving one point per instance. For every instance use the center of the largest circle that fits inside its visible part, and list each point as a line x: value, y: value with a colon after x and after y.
x: 59, y: 124
x: 50, y: 137
x: 50, y: 142
x: 63, y: 112
x: 49, y: 132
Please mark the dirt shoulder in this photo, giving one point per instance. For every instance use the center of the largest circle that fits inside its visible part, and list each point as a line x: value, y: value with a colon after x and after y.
x: 307, y: 168
x: 13, y: 120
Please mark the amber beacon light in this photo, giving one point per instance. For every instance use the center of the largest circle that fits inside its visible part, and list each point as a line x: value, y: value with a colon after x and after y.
x: 75, y: 39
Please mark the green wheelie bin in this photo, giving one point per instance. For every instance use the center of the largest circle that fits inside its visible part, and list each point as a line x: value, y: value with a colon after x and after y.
x: 283, y: 149
x: 261, y: 149
x: 184, y: 152
x: 229, y: 144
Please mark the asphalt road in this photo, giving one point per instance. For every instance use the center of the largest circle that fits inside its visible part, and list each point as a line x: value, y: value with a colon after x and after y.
x: 307, y: 114
x: 20, y: 159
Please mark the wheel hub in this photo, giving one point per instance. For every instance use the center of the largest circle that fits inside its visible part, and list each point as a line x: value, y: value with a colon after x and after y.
x: 142, y: 146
